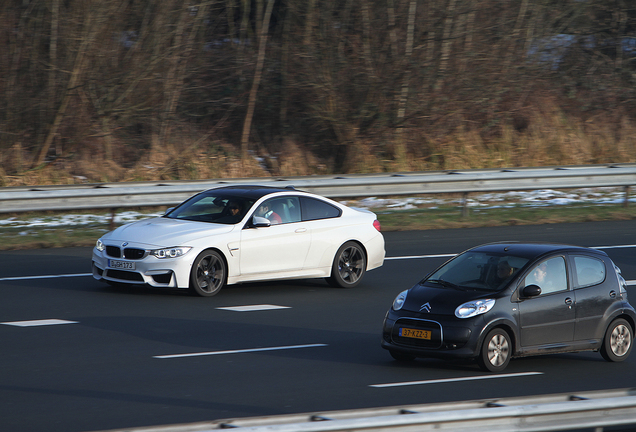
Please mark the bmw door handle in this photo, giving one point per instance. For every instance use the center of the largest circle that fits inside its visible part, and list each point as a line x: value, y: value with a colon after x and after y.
x: 301, y: 230
x: 612, y: 294
x: 569, y: 302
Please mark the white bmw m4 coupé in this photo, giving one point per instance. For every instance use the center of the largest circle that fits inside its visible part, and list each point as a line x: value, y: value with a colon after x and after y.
x: 237, y: 234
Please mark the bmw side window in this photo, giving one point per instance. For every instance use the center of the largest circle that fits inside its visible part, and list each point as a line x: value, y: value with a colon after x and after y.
x: 549, y: 275
x: 589, y: 271
x: 293, y: 209
x: 287, y: 208
x: 313, y: 209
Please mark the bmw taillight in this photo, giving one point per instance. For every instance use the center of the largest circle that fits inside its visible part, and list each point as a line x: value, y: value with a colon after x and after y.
x: 376, y: 225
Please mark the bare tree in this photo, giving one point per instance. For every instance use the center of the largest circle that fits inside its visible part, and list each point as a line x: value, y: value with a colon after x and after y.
x: 262, y: 45
x: 91, y: 28
x: 449, y: 20
x: 400, y: 155
x: 185, y: 34
x: 514, y: 36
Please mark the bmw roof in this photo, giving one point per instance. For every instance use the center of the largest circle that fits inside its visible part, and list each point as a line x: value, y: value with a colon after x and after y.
x: 249, y: 191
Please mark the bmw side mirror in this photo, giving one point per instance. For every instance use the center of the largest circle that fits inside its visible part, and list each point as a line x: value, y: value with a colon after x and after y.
x: 531, y: 291
x: 260, y: 222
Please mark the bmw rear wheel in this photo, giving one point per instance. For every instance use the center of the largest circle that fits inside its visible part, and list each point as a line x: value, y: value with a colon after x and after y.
x: 208, y: 274
x: 496, y: 351
x: 349, y: 265
x: 618, y: 341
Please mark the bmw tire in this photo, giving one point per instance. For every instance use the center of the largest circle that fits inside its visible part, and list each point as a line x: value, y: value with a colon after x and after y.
x: 349, y: 266
x: 208, y: 274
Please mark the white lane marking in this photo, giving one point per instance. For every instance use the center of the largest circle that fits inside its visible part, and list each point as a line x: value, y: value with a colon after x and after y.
x: 386, y: 259
x: 35, y: 323
x: 250, y: 350
x: 419, y: 257
x: 253, y: 308
x: 44, y: 277
x: 448, y: 380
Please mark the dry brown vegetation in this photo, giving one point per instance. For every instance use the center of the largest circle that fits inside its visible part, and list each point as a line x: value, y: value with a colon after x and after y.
x: 126, y: 90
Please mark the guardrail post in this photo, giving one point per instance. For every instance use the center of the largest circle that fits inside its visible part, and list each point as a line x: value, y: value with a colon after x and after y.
x: 626, y: 201
x: 465, y: 204
x: 112, y: 219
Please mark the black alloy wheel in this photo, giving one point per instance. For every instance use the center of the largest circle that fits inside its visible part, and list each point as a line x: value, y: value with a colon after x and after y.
x: 618, y: 341
x: 496, y: 351
x: 208, y: 274
x: 349, y: 265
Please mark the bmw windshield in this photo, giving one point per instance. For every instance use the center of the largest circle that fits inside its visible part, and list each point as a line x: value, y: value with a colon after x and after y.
x: 212, y: 207
x: 477, y: 270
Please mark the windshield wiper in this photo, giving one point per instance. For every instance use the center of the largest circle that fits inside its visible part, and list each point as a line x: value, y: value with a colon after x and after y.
x: 443, y: 283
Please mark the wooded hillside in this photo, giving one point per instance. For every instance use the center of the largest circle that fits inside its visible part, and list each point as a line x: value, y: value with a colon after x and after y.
x: 124, y: 90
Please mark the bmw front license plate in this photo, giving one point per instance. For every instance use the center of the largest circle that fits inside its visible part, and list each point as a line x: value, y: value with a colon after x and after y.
x: 414, y: 333
x: 121, y: 265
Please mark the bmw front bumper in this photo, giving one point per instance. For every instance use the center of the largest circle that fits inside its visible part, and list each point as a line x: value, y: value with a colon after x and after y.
x: 148, y: 270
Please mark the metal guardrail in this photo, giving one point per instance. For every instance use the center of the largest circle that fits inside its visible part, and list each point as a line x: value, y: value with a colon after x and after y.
x: 149, y: 194
x: 561, y: 412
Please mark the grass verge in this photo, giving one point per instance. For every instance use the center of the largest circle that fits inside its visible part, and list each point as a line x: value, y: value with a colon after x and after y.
x: 445, y: 218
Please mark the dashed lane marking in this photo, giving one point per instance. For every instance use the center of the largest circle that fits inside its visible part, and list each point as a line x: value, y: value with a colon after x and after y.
x: 251, y: 308
x: 460, y: 379
x: 242, y: 351
x: 36, y: 323
x: 44, y: 277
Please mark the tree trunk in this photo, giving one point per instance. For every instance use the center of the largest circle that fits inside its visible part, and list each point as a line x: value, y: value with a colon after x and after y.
x: 620, y: 17
x: 243, y: 36
x: 181, y: 51
x: 262, y: 44
x: 231, y: 31
x: 469, y: 36
x: 399, y: 153
x: 286, y: 43
x: 512, y: 44
x: 55, y: 16
x: 88, y: 33
x: 310, y: 22
x: 392, y: 30
x: 16, y: 42
x: 366, y: 38
x: 446, y: 43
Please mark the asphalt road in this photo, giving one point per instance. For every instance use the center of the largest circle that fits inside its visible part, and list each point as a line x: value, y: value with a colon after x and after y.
x: 129, y: 358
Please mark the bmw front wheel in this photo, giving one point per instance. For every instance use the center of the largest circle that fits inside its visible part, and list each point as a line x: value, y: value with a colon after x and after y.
x: 618, y: 341
x: 349, y: 266
x: 208, y: 273
x: 496, y: 351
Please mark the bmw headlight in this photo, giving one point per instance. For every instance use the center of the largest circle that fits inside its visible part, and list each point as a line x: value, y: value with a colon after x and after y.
x: 99, y: 245
x: 173, y: 252
x: 474, y: 308
x: 399, y: 300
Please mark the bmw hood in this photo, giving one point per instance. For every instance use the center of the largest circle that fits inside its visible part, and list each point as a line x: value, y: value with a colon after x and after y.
x: 165, y: 232
x: 439, y: 301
